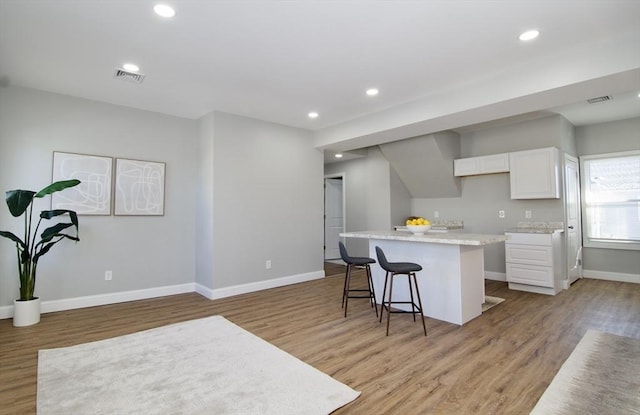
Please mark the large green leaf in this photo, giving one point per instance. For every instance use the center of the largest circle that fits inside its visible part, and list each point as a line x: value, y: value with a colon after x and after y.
x: 57, y: 186
x: 44, y: 250
x: 48, y: 214
x: 48, y: 246
x: 18, y: 201
x: 13, y: 237
x: 54, y: 231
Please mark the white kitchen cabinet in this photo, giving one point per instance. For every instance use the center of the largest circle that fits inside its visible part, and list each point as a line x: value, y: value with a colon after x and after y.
x: 494, y: 163
x: 534, y: 262
x: 535, y: 174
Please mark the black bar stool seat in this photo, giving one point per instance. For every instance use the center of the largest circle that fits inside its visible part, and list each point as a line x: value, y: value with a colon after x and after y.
x: 399, y: 268
x: 358, y: 262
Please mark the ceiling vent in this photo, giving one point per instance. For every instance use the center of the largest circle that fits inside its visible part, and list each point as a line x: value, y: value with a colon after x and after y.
x: 128, y: 76
x: 599, y: 99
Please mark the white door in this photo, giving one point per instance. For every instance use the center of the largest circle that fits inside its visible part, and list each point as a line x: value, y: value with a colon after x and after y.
x: 572, y: 213
x: 333, y: 217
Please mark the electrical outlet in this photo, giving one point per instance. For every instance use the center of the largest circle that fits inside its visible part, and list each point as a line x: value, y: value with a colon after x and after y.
x: 267, y: 264
x: 436, y: 214
x: 527, y: 214
x: 501, y: 214
x: 108, y: 275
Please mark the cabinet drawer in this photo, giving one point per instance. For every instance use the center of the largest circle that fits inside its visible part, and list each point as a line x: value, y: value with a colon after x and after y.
x: 530, y: 274
x: 529, y: 238
x: 529, y: 254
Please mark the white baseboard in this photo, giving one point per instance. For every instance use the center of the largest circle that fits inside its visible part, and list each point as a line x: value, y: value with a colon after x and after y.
x: 495, y: 276
x: 103, y: 299
x: 256, y: 286
x: 113, y: 298
x: 6, y: 311
x: 611, y: 276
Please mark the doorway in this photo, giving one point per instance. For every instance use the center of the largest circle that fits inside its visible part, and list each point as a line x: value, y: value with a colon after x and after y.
x: 333, y: 215
x: 573, y: 218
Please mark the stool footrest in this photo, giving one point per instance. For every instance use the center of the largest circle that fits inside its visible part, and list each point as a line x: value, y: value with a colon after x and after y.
x: 415, y: 307
x: 402, y: 311
x: 347, y: 291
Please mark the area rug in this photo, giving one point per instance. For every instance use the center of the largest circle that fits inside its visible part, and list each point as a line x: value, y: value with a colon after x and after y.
x: 204, y: 366
x: 490, y: 302
x: 601, y: 376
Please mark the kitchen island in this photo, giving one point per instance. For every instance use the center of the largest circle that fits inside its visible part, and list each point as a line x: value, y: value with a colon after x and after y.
x: 452, y: 278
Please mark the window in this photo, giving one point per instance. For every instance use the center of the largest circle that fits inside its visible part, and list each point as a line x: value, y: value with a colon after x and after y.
x: 611, y: 206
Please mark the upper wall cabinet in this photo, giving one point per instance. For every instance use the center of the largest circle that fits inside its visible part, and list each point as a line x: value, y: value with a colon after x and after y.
x: 535, y: 174
x: 495, y: 163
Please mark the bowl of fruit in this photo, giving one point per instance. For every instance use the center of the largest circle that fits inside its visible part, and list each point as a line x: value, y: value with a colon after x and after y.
x: 418, y: 225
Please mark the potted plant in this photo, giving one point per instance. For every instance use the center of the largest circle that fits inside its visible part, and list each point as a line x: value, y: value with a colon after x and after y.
x: 26, y: 310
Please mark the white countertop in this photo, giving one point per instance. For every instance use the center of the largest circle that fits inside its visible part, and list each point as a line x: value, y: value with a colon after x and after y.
x: 537, y: 227
x: 533, y: 230
x: 432, y: 238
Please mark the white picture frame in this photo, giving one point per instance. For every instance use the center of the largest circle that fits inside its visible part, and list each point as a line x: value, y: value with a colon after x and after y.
x: 93, y: 195
x: 139, y: 187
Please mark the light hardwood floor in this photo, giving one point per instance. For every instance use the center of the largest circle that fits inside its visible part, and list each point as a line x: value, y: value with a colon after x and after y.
x: 499, y: 363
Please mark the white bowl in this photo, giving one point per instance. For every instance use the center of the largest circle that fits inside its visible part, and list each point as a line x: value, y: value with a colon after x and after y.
x: 418, y: 229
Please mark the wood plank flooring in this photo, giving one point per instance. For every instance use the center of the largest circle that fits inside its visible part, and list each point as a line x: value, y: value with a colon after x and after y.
x: 499, y: 363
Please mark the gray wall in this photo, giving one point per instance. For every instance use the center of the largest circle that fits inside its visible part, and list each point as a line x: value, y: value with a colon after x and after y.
x: 143, y: 252
x: 602, y: 138
x: 355, y: 184
x: 265, y: 182
x: 400, y: 199
x: 378, y: 208
x: 425, y: 163
x: 204, y: 203
x: 550, y: 131
x: 610, y: 137
x: 375, y: 198
x: 484, y: 195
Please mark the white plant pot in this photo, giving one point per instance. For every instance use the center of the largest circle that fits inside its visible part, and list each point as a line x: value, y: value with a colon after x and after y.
x: 26, y: 313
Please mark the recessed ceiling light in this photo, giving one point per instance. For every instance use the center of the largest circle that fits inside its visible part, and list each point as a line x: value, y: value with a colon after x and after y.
x: 529, y: 35
x: 338, y: 155
x: 164, y: 11
x: 131, y: 67
x: 313, y: 115
x: 372, y: 92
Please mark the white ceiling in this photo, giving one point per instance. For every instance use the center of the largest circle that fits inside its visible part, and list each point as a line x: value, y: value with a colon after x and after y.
x: 439, y: 64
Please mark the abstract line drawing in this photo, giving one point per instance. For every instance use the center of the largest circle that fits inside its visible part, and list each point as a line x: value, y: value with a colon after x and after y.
x: 93, y: 195
x: 139, y: 187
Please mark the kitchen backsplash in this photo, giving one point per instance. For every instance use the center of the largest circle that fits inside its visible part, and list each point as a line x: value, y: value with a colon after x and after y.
x: 541, y: 225
x: 448, y: 224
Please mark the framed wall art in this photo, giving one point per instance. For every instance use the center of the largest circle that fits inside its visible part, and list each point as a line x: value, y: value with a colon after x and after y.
x: 139, y: 187
x: 93, y: 195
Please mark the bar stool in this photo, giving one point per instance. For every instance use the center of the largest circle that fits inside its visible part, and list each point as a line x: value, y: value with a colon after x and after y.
x: 346, y: 291
x: 399, y: 268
